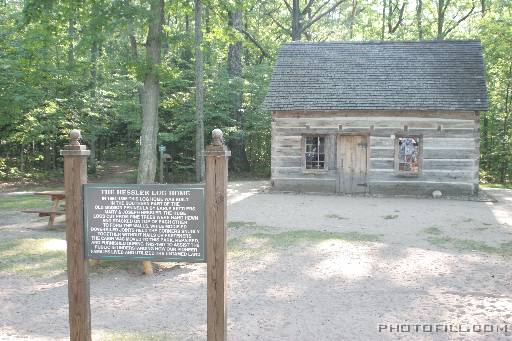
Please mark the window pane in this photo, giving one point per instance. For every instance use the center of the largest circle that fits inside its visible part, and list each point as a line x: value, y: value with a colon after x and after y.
x: 311, y: 140
x: 408, y: 154
x: 315, y: 155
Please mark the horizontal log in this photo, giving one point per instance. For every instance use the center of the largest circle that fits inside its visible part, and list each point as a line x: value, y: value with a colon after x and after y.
x: 377, y: 141
x: 304, y: 185
x: 286, y: 161
x: 279, y: 151
x: 427, y: 132
x: 448, y: 142
x: 380, y: 122
x: 449, y: 153
x: 446, y: 114
x: 377, y: 131
x: 292, y: 131
x: 421, y: 188
x: 382, y: 163
x: 450, y: 164
x: 287, y: 139
x: 424, y: 175
x: 429, y: 153
x: 299, y: 172
x: 381, y: 152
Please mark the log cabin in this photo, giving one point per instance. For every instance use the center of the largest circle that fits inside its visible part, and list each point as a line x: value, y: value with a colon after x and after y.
x: 399, y: 118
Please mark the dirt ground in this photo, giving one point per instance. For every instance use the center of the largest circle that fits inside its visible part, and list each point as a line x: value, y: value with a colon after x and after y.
x: 301, y: 267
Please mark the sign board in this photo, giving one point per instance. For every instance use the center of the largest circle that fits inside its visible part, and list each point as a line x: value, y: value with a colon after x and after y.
x: 162, y: 148
x: 144, y: 222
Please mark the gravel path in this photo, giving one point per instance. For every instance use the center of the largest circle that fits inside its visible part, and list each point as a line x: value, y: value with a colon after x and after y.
x: 301, y: 267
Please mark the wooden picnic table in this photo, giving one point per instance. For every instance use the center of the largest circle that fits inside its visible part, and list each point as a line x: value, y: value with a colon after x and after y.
x: 56, y: 197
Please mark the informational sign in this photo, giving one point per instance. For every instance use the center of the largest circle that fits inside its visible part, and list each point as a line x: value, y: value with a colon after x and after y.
x: 162, y: 148
x: 144, y: 222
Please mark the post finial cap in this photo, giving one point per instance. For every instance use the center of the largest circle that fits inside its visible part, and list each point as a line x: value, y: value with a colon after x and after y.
x: 74, y: 136
x: 217, y: 137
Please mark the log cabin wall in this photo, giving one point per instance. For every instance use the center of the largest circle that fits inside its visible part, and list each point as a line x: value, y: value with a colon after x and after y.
x: 449, y: 144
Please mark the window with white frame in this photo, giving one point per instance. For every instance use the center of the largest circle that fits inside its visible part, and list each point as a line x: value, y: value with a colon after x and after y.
x: 315, y: 152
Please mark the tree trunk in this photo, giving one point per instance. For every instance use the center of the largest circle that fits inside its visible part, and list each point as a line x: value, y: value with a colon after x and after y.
x: 296, y: 26
x: 352, y: 19
x: 419, y: 17
x: 47, y: 156
x: 22, y: 159
x: 239, y: 158
x: 505, y: 152
x: 383, y: 29
x: 440, y: 19
x: 235, y: 66
x: 71, y: 46
x: 94, y: 71
x: 199, y: 92
x: 150, y: 98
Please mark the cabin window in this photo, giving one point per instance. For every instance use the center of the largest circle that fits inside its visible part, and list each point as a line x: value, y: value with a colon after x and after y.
x: 408, y: 155
x: 315, y: 152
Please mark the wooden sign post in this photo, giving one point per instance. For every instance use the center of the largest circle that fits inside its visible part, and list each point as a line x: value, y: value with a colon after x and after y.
x: 216, y: 205
x: 166, y: 208
x: 75, y: 174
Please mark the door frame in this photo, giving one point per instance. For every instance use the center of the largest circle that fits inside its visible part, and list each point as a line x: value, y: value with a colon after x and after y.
x: 366, y: 134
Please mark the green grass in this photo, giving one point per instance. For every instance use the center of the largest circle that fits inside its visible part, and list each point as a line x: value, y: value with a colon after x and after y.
x: 20, y: 202
x: 46, y: 257
x: 507, y: 186
x: 258, y: 244
x: 390, y: 216
x: 433, y: 230
x: 136, y: 336
x: 436, y: 237
x: 43, y: 257
x: 239, y: 224
x: 335, y: 216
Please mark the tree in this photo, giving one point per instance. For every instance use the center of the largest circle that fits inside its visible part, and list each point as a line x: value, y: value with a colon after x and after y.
x: 444, y: 28
x: 199, y: 93
x: 305, y: 17
x: 150, y: 96
x: 394, y: 10
x: 419, y: 18
x: 150, y: 100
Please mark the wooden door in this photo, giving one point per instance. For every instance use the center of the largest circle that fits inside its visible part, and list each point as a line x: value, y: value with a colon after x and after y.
x: 352, y: 163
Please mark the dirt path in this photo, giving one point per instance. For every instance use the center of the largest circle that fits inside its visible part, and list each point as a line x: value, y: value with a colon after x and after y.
x: 301, y: 267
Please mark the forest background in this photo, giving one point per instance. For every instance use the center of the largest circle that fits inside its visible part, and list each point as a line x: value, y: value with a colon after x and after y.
x: 136, y: 74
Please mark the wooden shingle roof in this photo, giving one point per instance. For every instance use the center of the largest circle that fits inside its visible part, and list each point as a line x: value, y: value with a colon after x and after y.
x: 426, y: 75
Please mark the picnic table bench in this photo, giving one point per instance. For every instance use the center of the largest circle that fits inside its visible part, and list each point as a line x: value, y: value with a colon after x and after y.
x: 54, y: 210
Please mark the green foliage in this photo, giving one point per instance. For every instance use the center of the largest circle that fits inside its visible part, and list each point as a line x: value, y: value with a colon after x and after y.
x: 66, y: 64
x: 496, y: 139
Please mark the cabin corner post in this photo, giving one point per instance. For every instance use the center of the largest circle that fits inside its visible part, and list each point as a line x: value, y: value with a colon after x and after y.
x: 217, y: 156
x: 75, y: 175
x: 476, y: 183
